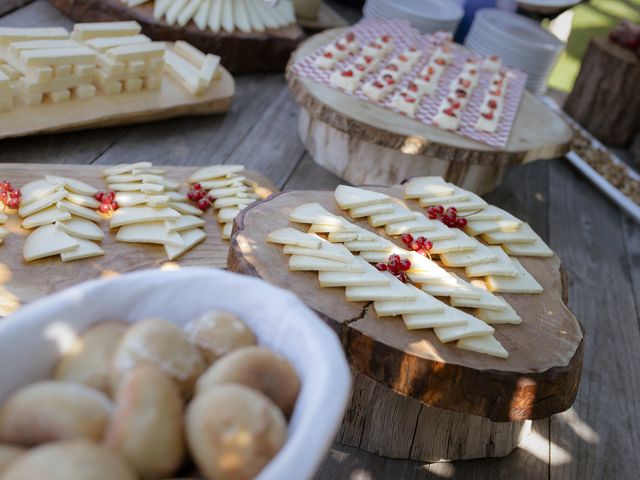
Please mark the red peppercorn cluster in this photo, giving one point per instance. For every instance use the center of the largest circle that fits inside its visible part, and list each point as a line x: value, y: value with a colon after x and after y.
x: 199, y: 196
x: 419, y: 245
x: 397, y: 266
x: 449, y: 216
x: 9, y: 196
x: 107, y: 201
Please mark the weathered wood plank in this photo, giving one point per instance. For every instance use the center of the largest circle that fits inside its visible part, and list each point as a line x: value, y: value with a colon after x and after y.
x: 631, y: 232
x: 308, y: 175
x: 34, y: 14
x: 9, y: 6
x: 599, y: 437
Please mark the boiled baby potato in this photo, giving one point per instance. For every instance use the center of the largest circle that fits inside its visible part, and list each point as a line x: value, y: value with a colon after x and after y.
x: 89, y: 358
x: 146, y: 427
x: 233, y: 432
x: 70, y: 460
x: 8, y: 455
x: 258, y: 368
x: 218, y: 333
x: 163, y: 345
x: 54, y: 410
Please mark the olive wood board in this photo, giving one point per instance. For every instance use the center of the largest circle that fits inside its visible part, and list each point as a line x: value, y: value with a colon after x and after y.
x: 172, y: 100
x: 539, y: 378
x: 22, y: 282
x: 537, y: 132
x: 266, y: 51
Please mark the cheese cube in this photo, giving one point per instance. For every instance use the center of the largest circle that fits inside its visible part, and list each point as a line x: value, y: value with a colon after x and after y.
x: 30, y: 99
x: 6, y: 104
x: 109, y: 66
x: 84, y: 92
x: 62, y: 71
x: 184, y: 73
x: 84, y: 70
x: 60, y: 96
x: 155, y: 65
x: 111, y: 87
x: 133, y: 85
x: 10, y: 71
x: 136, y: 67
x: 87, y: 31
x: 153, y: 82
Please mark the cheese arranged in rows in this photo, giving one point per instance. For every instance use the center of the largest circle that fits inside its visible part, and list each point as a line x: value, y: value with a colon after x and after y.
x: 61, y: 212
x: 492, y: 224
x: 223, y: 15
x: 151, y: 210
x: 228, y: 189
x: 433, y: 279
x: 191, y: 68
x: 4, y: 233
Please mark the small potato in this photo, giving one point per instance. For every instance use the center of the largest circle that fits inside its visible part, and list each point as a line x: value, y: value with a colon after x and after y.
x: 8, y: 455
x: 146, y: 427
x: 233, y: 432
x: 258, y: 368
x: 218, y: 333
x: 89, y: 359
x: 54, y: 410
x: 70, y: 460
x: 160, y: 344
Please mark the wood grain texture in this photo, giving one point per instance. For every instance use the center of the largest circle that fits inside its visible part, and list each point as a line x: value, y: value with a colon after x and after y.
x: 9, y: 6
x: 537, y: 132
x: 327, y: 18
x: 605, y: 97
x: 241, y: 52
x: 540, y: 377
x: 22, y: 282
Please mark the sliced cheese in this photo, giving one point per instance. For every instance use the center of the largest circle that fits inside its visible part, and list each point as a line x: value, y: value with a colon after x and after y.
x: 369, y: 278
x: 228, y: 214
x: 149, y: 232
x: 373, y: 209
x: 186, y: 208
x: 524, y: 234
x: 451, y: 285
x: 76, y: 186
x: 337, y: 227
x: 105, y: 43
x: 86, y: 249
x: 79, y: 210
x: 140, y: 214
x: 185, y: 222
x: 37, y: 190
x: 327, y: 250
x: 352, y: 197
x: 190, y: 238
x: 340, y: 237
x: 418, y: 224
x: 486, y: 344
x: 480, y: 255
x: 291, y: 236
x: 305, y: 263
x: 83, y: 200
x: 42, y: 203
x: 427, y: 186
x: 502, y: 266
x: 487, y: 300
x: 472, y: 328
x: 398, y: 214
x: 420, y: 304
x: 46, y: 241
x: 130, y: 199
x: 79, y: 227
x: 523, y: 282
x: 507, y: 315
x: 227, y: 230
x: 396, y: 291
x: 86, y: 31
x: 448, y: 317
x: 214, y: 172
x: 487, y: 226
x: 125, y: 167
x: 379, y: 245
x: 233, y: 202
x: 533, y: 249
x: 460, y: 243
x: 45, y: 217
x: 314, y: 213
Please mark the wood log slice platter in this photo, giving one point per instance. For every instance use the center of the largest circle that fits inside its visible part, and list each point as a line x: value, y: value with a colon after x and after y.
x: 539, y: 378
x: 266, y: 51
x: 22, y: 282
x: 120, y: 109
x: 368, y: 144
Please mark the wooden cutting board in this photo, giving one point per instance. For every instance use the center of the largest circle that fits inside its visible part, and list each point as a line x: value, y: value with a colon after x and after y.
x: 126, y: 108
x: 22, y: 282
x: 539, y: 378
x: 241, y: 52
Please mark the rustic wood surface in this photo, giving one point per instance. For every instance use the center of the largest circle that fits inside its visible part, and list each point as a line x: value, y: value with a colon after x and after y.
x: 241, y: 52
x: 23, y: 282
x: 599, y: 246
x: 537, y: 132
x: 605, y: 97
x: 124, y: 109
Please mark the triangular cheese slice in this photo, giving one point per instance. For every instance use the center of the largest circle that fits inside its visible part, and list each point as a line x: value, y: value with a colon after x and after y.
x: 125, y: 167
x: 487, y: 226
x: 338, y: 237
x: 472, y: 328
x: 86, y: 249
x: 380, y: 245
x: 502, y: 266
x: 427, y: 186
x: 291, y: 236
x: 373, y: 209
x: 79, y: 211
x: 76, y: 186
x: 151, y: 232
x: 396, y: 291
x: 449, y: 317
x: 421, y: 304
x: 534, y: 249
x: 418, y: 224
x: 524, y: 234
x: 313, y: 213
x: 305, y: 263
x: 451, y: 285
x: 320, y: 228
x: 42, y: 203
x: 232, y: 181
x: 45, y: 217
x: 352, y: 197
x: 427, y: 201
x: 479, y: 255
x: 508, y: 315
x: 486, y: 301
x: 368, y: 278
x: 83, y: 200
x: 522, y: 283
x: 214, y: 171
x: 37, y: 190
x: 81, y: 228
x: 185, y: 208
x: 129, y: 215
x: 46, y: 241
x: 399, y: 214
x: 186, y: 222
x: 486, y: 344
x: 190, y: 238
x: 327, y: 250
x: 461, y: 243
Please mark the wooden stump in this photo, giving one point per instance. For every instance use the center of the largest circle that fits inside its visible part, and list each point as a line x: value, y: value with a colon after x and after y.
x: 366, y: 143
x: 415, y: 397
x: 605, y: 97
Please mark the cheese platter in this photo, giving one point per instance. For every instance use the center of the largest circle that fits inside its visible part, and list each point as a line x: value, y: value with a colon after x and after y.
x: 368, y: 137
x: 518, y: 358
x: 261, y: 43
x: 52, y: 241
x: 102, y: 74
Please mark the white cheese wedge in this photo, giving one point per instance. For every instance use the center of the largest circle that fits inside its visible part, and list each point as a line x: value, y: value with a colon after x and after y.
x: 352, y: 197
x: 502, y: 266
x: 45, y: 217
x: 125, y: 167
x: 76, y: 186
x: 461, y: 243
x: 214, y: 172
x: 399, y: 214
x: 190, y: 239
x: 327, y: 250
x: 373, y: 209
x: 472, y: 328
x: 130, y: 199
x: 233, y: 180
x: 336, y: 227
x: 305, y: 263
x: 42, y: 203
x: 533, y: 249
x: 524, y: 282
x: 233, y: 202
x: 421, y: 304
x: 79, y: 227
x: 37, y: 190
x: 79, y: 210
x: 508, y: 315
x: 228, y: 214
x: 489, y: 212
x: 86, y: 249
x: 449, y: 317
x: 186, y: 208
x: 481, y: 255
x: 227, y: 230
x: 185, y: 222
x: 451, y: 285
x: 158, y: 200
x: 83, y: 200
x: 46, y: 241
x: 140, y: 214
x: 524, y: 234
x: 487, y: 300
x: 315, y: 213
x: 379, y: 245
x: 396, y: 291
x: 419, y: 223
x: 149, y: 232
x: 368, y: 278
x: 487, y: 226
x: 486, y: 344
x: 228, y: 191
x: 339, y: 237
x: 86, y: 31
x: 291, y: 236
x: 427, y: 201
x: 427, y: 186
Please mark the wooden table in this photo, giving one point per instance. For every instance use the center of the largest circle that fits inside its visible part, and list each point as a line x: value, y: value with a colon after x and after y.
x: 599, y: 246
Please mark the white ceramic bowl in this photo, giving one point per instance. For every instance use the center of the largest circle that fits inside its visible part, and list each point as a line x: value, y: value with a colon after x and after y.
x: 31, y: 341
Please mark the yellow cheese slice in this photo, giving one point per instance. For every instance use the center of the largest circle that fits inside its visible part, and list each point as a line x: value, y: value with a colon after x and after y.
x: 42, y: 203
x: 291, y: 236
x: 524, y: 234
x: 57, y: 56
x: 190, y: 239
x: 481, y: 255
x: 138, y: 51
x: 86, y: 249
x: 124, y: 168
x: 46, y: 241
x: 524, y: 282
x: 461, y: 243
x: 76, y: 186
x: 105, y: 43
x: 16, y: 47
x: 140, y: 214
x: 45, y: 217
x: 79, y: 227
x: 533, y: 249
x: 149, y: 232
x: 396, y: 291
x: 184, y: 73
x: 502, y: 266
x: 486, y: 344
x: 448, y: 317
x: 79, y: 211
x: 305, y: 263
x: 18, y: 34
x: 419, y: 224
x: 398, y: 214
x: 472, y: 328
x: 326, y: 250
x: 185, y: 222
x: 421, y: 304
x: 508, y: 315
x: 351, y: 197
